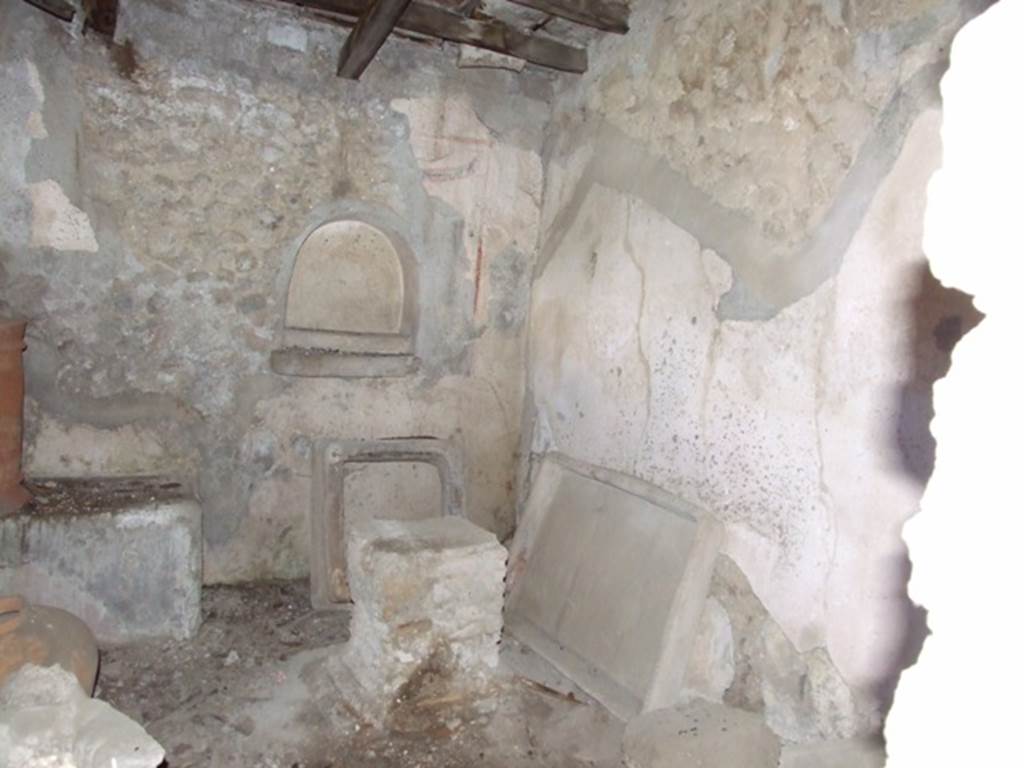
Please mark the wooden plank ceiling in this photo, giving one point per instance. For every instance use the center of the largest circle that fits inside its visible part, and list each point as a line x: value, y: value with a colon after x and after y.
x: 463, y: 22
x: 457, y: 21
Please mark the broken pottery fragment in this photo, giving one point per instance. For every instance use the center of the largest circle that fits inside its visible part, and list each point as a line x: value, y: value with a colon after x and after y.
x: 38, y: 634
x: 12, y: 394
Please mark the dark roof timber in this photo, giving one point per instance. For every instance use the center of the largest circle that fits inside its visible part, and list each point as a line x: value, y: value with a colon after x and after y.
x: 369, y: 34
x: 100, y: 15
x: 375, y: 19
x: 606, y: 15
x: 432, y: 21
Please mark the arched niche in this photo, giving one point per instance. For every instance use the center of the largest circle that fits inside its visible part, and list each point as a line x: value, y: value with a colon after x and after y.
x: 350, y: 304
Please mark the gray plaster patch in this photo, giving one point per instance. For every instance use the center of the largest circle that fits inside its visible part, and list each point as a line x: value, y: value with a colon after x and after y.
x: 56, y: 223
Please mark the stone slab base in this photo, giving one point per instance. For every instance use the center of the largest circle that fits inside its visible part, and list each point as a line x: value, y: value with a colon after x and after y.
x: 124, y: 555
x: 840, y: 753
x: 699, y: 734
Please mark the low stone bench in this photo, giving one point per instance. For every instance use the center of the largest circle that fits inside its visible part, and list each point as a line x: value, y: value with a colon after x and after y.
x: 426, y: 594
x: 124, y: 555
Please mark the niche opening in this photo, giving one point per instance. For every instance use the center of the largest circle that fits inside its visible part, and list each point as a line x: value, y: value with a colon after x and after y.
x: 350, y: 307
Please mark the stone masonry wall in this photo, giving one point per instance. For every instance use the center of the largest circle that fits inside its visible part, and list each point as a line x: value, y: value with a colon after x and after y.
x: 731, y: 302
x: 152, y: 196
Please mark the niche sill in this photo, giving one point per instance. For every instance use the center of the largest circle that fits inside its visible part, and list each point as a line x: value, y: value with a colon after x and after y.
x: 311, y: 362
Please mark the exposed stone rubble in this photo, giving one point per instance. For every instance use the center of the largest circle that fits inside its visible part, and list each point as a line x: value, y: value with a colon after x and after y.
x: 744, y: 659
x: 47, y: 721
x: 427, y: 599
x: 699, y: 735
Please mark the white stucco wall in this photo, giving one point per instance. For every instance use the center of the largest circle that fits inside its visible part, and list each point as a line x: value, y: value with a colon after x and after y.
x: 790, y: 425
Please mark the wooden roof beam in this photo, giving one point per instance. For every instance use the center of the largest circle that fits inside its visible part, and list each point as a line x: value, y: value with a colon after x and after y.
x: 606, y: 15
x: 485, y: 32
x: 100, y: 15
x: 369, y: 34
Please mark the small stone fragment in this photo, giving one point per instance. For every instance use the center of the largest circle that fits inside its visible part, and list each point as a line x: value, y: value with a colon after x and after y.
x: 46, y: 720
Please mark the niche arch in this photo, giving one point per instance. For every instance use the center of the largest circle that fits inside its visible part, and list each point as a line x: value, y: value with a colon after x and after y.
x: 349, y: 302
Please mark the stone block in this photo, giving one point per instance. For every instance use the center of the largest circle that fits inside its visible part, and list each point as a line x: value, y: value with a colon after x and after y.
x: 124, y: 555
x: 427, y: 594
x: 700, y: 734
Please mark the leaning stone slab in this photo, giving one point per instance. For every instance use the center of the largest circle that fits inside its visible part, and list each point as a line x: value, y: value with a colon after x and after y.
x: 700, y: 734
x: 607, y: 581
x: 47, y: 721
x: 427, y: 595
x: 124, y: 555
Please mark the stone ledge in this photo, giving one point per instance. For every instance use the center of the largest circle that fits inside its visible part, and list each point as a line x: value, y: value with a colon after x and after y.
x: 326, y: 363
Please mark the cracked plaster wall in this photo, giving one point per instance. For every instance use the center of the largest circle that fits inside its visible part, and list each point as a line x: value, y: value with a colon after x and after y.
x: 152, y: 195
x: 731, y: 302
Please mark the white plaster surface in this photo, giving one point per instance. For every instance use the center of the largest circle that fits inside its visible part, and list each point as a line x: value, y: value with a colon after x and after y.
x: 775, y: 426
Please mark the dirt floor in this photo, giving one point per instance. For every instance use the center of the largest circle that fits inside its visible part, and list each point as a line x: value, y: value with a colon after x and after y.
x: 250, y: 690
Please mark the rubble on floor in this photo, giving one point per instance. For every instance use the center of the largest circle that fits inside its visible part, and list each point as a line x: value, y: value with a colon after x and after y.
x: 46, y: 721
x: 250, y: 691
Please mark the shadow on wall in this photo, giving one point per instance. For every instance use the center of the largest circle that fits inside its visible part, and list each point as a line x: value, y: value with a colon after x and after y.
x: 941, y: 317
